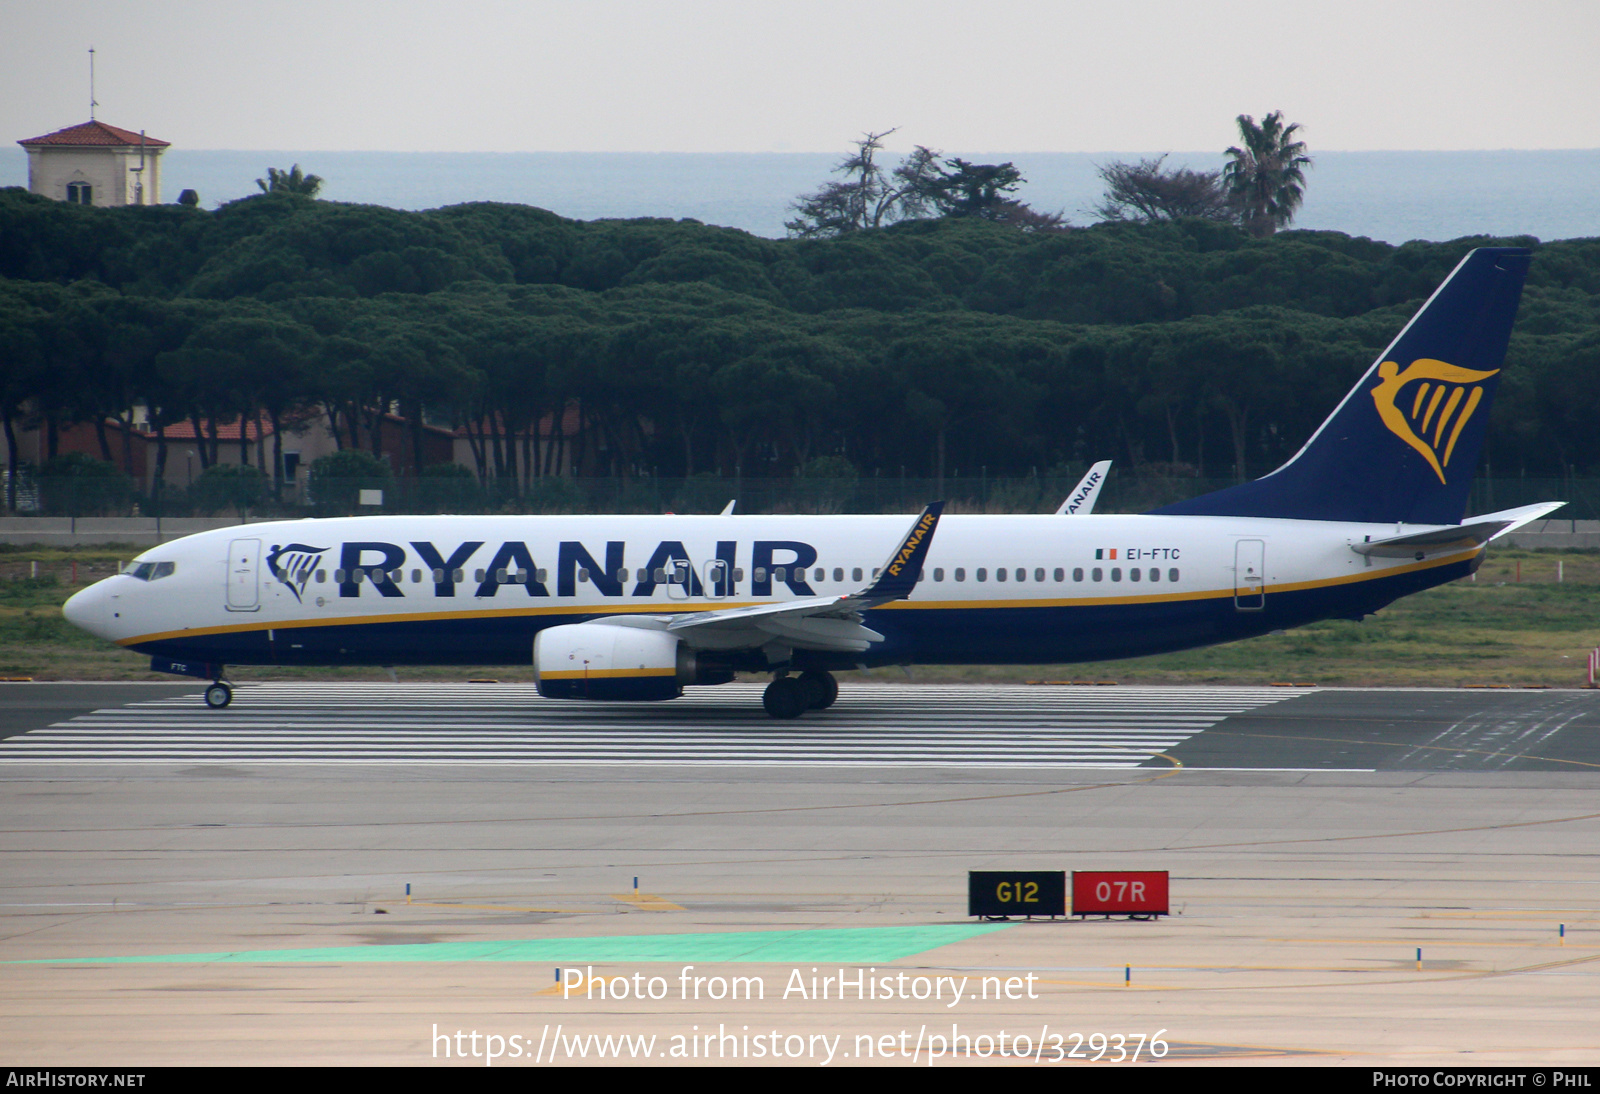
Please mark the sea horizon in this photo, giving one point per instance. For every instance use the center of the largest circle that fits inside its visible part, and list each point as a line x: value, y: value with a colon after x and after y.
x: 1393, y: 196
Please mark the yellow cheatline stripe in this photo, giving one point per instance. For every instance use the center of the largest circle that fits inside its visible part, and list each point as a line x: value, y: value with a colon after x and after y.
x: 604, y: 674
x: 646, y: 902
x: 653, y: 608
x: 658, y: 608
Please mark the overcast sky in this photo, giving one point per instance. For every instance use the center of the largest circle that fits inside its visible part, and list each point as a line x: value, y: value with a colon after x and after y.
x: 774, y: 75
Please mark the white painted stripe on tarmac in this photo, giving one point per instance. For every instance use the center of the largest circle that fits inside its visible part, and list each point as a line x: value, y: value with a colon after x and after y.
x: 872, y: 725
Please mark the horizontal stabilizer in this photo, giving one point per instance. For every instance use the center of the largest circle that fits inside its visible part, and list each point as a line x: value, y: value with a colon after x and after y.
x: 1457, y: 537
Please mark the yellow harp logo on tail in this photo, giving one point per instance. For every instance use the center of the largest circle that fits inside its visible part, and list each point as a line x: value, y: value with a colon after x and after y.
x: 1445, y: 399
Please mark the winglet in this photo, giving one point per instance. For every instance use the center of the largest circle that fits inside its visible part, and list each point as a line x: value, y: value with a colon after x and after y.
x: 899, y: 575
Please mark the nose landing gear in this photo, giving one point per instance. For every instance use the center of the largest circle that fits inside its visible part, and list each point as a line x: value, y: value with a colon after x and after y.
x: 218, y: 695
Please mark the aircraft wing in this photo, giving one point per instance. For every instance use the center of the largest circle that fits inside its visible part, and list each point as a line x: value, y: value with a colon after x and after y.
x: 818, y: 622
x: 1457, y: 537
x: 1081, y: 501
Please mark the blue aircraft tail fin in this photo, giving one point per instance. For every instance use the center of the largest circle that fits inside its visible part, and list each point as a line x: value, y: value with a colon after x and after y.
x: 1404, y: 443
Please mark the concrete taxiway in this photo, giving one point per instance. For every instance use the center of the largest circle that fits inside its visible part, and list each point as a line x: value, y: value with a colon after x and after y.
x: 234, y: 890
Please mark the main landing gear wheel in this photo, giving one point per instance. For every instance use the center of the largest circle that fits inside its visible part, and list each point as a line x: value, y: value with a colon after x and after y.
x: 218, y: 695
x: 821, y: 688
x: 786, y: 697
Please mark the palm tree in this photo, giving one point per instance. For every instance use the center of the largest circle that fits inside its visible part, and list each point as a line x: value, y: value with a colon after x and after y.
x: 1266, y: 178
x: 291, y: 181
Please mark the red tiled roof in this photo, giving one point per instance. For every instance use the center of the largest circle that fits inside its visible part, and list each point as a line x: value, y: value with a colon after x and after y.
x: 94, y: 133
x: 226, y: 431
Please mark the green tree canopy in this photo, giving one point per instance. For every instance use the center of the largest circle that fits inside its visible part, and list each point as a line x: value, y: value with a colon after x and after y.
x: 292, y: 181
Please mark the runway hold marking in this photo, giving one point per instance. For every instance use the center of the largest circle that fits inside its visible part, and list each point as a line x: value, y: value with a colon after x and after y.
x: 848, y: 945
x: 452, y: 724
x: 647, y: 903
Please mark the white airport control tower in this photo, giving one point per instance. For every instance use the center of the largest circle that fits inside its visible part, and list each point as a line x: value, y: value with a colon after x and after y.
x: 96, y: 164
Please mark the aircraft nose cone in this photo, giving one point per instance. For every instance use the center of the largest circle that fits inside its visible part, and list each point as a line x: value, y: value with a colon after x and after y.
x: 86, y: 610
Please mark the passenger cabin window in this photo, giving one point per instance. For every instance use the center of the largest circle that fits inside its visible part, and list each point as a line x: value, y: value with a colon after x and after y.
x: 838, y: 573
x: 938, y: 573
x: 983, y: 573
x: 961, y: 573
x: 999, y: 574
x: 1077, y: 573
x: 1116, y: 573
x: 855, y: 574
x: 1172, y: 575
x: 1038, y: 574
x: 1133, y: 573
x: 1097, y: 574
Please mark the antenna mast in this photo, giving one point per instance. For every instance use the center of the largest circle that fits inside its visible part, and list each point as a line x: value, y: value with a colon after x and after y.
x: 92, y: 103
x: 138, y: 173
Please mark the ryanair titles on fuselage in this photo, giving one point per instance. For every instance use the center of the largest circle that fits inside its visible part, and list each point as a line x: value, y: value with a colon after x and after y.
x: 512, y: 564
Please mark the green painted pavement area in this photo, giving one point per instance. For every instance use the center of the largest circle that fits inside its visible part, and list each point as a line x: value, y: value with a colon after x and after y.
x: 850, y: 945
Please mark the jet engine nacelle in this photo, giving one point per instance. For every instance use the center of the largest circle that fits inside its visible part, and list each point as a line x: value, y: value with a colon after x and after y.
x: 605, y: 661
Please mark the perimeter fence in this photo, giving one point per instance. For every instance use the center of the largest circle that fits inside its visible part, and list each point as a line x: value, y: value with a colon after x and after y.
x: 1123, y: 493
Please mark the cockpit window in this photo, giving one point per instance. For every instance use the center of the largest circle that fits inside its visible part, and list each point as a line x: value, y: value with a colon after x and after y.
x: 151, y: 571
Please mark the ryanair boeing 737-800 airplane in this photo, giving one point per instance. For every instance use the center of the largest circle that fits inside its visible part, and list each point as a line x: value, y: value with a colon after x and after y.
x: 638, y: 607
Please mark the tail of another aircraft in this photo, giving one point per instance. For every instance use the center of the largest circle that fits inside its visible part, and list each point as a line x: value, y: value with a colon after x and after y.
x: 1404, y: 443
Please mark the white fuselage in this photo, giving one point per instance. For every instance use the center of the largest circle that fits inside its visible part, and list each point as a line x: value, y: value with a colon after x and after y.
x: 993, y: 588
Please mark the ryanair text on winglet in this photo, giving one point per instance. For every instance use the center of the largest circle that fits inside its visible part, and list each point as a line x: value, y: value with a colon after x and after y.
x: 910, y: 546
